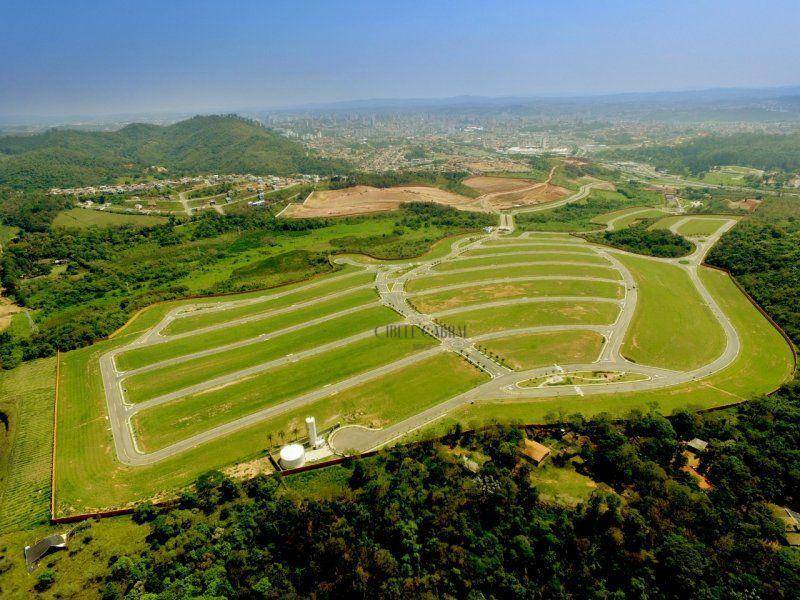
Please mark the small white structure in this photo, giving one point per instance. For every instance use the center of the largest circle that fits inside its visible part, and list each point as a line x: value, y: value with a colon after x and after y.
x: 293, y: 456
x: 313, y: 438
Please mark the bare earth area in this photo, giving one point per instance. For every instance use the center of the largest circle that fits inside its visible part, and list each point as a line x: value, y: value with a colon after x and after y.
x: 492, y: 185
x: 7, y: 310
x: 363, y: 199
x: 505, y: 193
x: 536, y: 194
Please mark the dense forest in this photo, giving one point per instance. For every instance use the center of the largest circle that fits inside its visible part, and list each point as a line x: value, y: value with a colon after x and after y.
x: 415, y: 521
x: 639, y: 238
x: 203, y: 144
x: 763, y: 253
x: 699, y: 154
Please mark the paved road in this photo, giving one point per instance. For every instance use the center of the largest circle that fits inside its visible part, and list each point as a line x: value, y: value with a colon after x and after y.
x: 360, y: 439
x: 390, y: 283
x: 582, y: 193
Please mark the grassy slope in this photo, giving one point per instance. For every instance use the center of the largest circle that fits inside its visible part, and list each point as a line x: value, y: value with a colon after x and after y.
x: 175, y: 377
x: 522, y: 248
x: 398, y: 395
x: 82, y: 218
x: 628, y: 216
x: 89, y: 477
x: 700, y: 226
x: 485, y: 293
x: 199, y: 321
x: 530, y: 315
x: 521, y: 257
x: 666, y: 222
x: 165, y: 424
x: 542, y: 349
x: 440, y: 280
x: 764, y: 363
x: 563, y: 485
x: 144, y: 356
x: 79, y: 570
x: 672, y: 327
x: 578, y: 216
x: 27, y: 395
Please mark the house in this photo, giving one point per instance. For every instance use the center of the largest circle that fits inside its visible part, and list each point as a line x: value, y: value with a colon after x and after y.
x: 694, y: 448
x: 534, y: 451
x: 35, y: 552
x: 697, y: 445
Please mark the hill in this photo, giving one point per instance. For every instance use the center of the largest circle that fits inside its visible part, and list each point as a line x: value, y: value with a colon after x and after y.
x: 221, y: 144
x: 758, y: 150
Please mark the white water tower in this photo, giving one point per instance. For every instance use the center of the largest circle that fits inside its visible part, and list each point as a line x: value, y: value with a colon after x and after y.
x: 311, y: 425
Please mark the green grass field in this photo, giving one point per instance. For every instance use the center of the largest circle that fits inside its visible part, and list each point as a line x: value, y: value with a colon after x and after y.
x: 627, y: 217
x: 27, y: 400
x: 488, y: 320
x: 729, y: 175
x: 81, y: 569
x: 435, y: 302
x: 700, y: 227
x: 522, y: 257
x: 526, y: 248
x: 673, y: 329
x: 168, y: 423
x: 90, y: 478
x: 666, y: 222
x: 82, y: 218
x: 433, y: 281
x: 318, y: 290
x: 175, y: 377
x: 522, y: 352
x: 549, y: 237
x: 764, y: 363
x: 140, y: 357
x: 577, y: 216
x: 563, y: 485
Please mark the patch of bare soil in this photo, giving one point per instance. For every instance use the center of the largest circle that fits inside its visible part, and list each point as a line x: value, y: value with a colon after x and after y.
x: 492, y: 185
x: 749, y: 204
x: 363, y: 199
x: 535, y: 194
x: 248, y: 470
x: 7, y: 310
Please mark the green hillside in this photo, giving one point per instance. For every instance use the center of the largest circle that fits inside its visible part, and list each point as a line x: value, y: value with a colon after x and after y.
x: 698, y: 155
x: 221, y: 144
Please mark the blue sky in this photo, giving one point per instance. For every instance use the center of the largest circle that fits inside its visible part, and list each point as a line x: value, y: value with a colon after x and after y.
x: 105, y: 57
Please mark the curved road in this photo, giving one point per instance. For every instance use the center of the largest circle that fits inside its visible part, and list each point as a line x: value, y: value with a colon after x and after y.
x: 390, y: 283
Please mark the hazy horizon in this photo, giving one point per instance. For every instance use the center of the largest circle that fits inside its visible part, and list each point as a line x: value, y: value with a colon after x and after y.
x: 114, y: 58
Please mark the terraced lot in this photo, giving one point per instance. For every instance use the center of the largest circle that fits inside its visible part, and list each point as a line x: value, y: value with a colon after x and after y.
x: 381, y: 351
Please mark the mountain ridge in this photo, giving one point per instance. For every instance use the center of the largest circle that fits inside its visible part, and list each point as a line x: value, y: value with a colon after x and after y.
x: 62, y: 157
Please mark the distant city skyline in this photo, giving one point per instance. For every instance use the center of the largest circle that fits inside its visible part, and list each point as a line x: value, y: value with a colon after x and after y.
x: 106, y: 58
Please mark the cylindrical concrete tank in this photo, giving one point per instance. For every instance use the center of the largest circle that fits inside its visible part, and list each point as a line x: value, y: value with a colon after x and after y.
x: 311, y: 425
x: 292, y: 456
